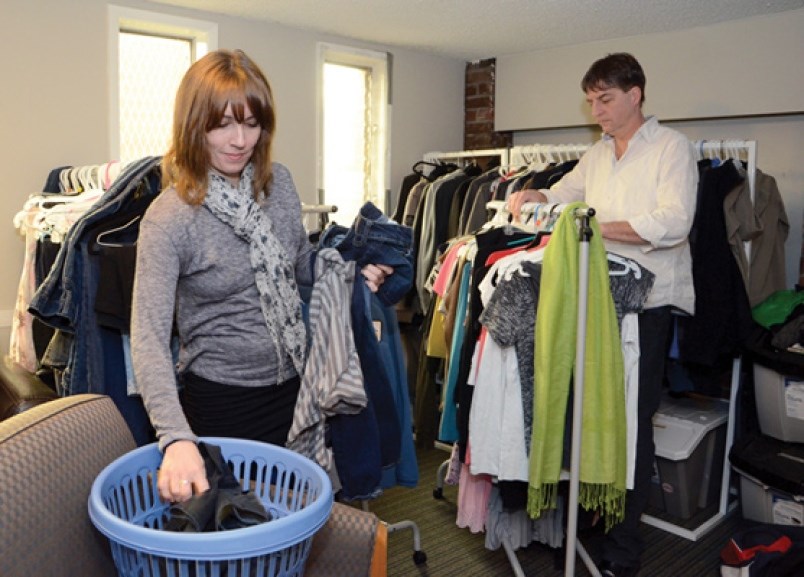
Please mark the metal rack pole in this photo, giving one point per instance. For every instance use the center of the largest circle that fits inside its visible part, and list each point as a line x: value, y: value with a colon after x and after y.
x: 573, y: 547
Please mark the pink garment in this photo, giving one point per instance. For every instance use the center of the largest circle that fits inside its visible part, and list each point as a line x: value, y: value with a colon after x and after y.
x: 474, y: 492
x: 21, y: 348
x: 447, y: 269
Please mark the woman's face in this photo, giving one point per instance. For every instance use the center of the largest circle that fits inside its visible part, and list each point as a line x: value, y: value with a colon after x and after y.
x: 231, y: 144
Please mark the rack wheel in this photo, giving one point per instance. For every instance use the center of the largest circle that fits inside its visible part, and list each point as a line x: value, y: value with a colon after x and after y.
x: 419, y: 557
x: 438, y: 493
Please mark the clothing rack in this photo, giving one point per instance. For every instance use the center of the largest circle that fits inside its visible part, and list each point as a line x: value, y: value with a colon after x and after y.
x: 546, y: 153
x: 322, y: 210
x: 723, y: 149
x: 572, y: 545
x: 529, y: 154
x: 468, y: 155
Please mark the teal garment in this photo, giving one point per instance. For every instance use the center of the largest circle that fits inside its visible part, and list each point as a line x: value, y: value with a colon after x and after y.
x: 777, y: 308
x: 603, y: 438
x: 448, y: 429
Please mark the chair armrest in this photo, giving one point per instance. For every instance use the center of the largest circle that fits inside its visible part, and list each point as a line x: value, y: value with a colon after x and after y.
x: 350, y: 543
x: 20, y: 390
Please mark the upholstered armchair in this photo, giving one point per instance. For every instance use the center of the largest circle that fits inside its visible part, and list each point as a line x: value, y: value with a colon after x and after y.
x: 50, y: 455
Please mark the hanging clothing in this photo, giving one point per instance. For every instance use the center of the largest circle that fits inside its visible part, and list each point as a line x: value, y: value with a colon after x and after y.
x: 722, y: 320
x: 87, y: 356
x: 375, y: 239
x: 767, y: 251
x: 332, y: 382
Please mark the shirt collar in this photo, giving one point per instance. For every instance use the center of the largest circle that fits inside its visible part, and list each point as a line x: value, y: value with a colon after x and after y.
x: 648, y: 129
x: 646, y: 132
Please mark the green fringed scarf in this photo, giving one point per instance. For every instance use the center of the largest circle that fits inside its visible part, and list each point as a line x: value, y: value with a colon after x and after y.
x: 603, y: 448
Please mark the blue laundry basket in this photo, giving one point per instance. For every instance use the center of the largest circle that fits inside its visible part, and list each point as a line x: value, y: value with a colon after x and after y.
x: 124, y: 505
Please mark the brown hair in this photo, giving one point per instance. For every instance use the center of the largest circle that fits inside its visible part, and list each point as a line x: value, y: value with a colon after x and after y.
x: 619, y: 70
x: 212, y: 83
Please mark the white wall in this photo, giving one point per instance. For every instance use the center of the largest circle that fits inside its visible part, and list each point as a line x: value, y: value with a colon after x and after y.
x: 53, y: 105
x: 743, y: 67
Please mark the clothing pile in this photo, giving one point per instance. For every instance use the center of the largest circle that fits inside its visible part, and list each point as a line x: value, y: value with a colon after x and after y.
x: 224, y: 506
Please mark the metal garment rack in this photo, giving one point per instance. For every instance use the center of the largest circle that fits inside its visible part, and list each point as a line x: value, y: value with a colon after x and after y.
x: 723, y: 149
x: 573, y: 546
x: 545, y: 153
x: 322, y: 210
x: 463, y: 155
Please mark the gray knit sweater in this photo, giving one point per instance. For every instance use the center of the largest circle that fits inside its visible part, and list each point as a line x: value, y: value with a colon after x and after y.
x: 190, y: 262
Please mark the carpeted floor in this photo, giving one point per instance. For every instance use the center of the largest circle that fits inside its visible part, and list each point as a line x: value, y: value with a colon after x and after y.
x: 452, y: 551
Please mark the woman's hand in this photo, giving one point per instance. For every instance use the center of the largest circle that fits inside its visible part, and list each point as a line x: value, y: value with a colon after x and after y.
x: 375, y: 275
x: 182, y: 472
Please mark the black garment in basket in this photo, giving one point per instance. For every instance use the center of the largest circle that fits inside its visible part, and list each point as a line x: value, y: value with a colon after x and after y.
x: 223, y: 507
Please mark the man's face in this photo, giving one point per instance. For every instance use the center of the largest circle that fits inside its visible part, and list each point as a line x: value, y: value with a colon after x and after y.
x: 614, y: 109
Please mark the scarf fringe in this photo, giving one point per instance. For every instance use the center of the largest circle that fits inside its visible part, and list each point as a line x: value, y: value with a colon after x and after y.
x: 606, y: 498
x: 541, y: 498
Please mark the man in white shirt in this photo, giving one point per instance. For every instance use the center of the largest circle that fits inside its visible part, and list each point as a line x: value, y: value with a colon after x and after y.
x: 641, y: 178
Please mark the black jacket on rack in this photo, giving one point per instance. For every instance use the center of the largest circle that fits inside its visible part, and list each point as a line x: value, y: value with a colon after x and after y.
x: 722, y: 322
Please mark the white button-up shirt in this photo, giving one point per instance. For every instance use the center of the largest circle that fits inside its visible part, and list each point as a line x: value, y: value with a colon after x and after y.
x: 653, y: 187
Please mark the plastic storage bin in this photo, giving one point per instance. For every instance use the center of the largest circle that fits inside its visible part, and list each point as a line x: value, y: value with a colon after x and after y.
x: 763, y: 503
x: 771, y: 479
x: 690, y: 438
x: 780, y: 404
x: 124, y: 505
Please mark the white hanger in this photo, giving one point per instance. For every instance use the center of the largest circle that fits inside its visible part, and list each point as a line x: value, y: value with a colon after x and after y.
x: 106, y: 233
x: 627, y: 265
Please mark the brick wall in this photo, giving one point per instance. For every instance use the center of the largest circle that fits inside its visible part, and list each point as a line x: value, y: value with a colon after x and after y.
x: 478, y: 130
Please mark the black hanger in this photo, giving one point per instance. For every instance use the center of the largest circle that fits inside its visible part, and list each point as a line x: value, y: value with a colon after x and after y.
x: 438, y: 169
x: 417, y: 167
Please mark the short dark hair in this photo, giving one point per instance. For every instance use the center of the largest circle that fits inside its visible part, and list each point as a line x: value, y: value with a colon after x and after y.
x: 619, y: 70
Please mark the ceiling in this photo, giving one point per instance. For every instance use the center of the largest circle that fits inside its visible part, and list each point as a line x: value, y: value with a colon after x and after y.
x: 476, y: 29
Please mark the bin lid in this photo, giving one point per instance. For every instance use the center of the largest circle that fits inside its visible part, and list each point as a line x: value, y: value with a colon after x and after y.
x: 680, y: 424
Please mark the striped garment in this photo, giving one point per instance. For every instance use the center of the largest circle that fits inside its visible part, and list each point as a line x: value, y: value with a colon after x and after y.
x: 332, y: 382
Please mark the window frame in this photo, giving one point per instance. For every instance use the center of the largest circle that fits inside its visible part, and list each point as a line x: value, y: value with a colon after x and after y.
x: 201, y: 33
x: 379, y: 64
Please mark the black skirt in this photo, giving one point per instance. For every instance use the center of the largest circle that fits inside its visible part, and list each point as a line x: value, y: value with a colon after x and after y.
x: 256, y: 413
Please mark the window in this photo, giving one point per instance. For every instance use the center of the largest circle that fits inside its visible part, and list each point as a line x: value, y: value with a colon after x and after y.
x: 149, y: 54
x: 353, y: 129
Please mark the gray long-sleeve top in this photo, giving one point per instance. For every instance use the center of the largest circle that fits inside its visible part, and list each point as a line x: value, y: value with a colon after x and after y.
x: 191, y: 262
